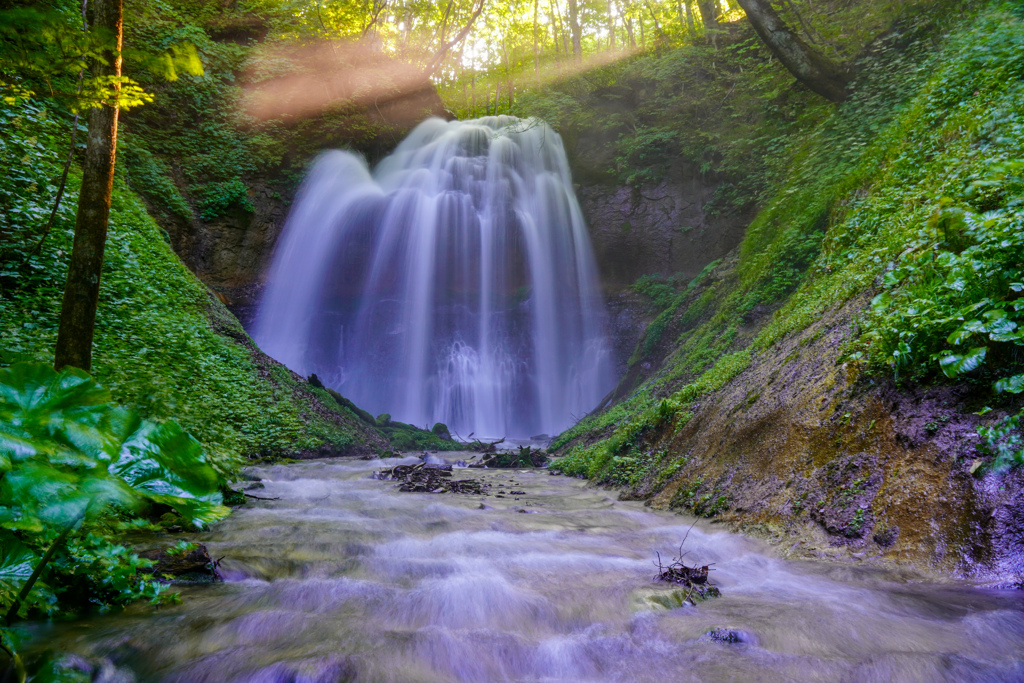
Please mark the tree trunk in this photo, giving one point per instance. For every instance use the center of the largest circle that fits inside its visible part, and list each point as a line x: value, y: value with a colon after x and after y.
x: 810, y: 67
x: 536, y: 47
x: 82, y: 290
x: 708, y: 13
x: 611, y: 25
x: 689, y: 18
x: 577, y: 33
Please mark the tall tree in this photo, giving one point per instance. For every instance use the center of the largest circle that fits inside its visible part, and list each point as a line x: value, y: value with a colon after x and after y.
x: 611, y: 25
x: 708, y: 13
x: 577, y: 32
x: 810, y: 67
x: 685, y: 4
x: 82, y: 289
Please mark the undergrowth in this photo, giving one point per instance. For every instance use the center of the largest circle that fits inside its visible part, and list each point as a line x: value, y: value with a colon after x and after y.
x: 163, y: 343
x: 913, y: 187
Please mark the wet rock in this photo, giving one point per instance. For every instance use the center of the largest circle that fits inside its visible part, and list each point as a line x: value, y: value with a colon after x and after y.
x: 842, y: 504
x: 887, y: 537
x: 195, y: 566
x: 729, y: 636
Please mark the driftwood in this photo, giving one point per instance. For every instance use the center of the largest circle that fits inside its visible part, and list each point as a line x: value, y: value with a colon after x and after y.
x: 693, y: 577
x: 524, y: 458
x: 485, y: 446
x: 424, y: 478
x: 249, y: 495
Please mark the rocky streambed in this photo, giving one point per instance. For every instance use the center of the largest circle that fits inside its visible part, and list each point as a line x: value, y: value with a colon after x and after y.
x: 337, y: 576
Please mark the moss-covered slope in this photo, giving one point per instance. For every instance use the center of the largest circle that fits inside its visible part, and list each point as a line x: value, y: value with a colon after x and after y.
x: 163, y: 343
x: 780, y: 400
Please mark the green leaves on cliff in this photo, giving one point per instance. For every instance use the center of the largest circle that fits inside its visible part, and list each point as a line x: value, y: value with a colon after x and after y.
x: 949, y: 220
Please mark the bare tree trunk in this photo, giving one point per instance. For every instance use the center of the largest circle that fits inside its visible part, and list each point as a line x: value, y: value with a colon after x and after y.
x: 611, y: 25
x: 82, y: 289
x: 536, y: 48
x: 811, y: 68
x: 689, y: 18
x: 709, y: 17
x: 657, y: 25
x: 708, y: 13
x: 629, y: 31
x: 577, y: 33
x: 442, y: 52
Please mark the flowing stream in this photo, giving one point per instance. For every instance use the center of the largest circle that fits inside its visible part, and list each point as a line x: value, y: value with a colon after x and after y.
x: 345, y: 578
x: 455, y: 284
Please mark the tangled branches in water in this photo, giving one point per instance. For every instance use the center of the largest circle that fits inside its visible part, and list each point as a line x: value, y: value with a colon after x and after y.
x: 425, y: 478
x: 693, y: 577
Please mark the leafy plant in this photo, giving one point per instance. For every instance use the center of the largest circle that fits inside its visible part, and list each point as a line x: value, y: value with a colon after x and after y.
x: 75, y: 472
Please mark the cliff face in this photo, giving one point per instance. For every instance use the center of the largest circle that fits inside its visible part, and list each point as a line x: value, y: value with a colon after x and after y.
x: 231, y: 251
x: 657, y: 228
x: 806, y: 388
x: 805, y: 449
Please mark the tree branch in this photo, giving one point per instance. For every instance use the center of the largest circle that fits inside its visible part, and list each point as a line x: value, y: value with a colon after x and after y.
x: 459, y: 37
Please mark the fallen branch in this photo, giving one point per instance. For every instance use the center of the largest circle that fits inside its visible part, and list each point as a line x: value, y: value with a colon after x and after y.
x: 249, y: 495
x: 695, y: 578
x: 424, y: 478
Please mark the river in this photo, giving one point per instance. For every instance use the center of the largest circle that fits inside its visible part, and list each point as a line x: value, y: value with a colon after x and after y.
x: 345, y: 578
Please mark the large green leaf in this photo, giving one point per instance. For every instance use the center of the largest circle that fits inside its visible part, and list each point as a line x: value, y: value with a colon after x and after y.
x: 16, y: 561
x: 957, y: 364
x: 53, y: 411
x: 56, y: 498
x: 1013, y: 385
x: 166, y: 464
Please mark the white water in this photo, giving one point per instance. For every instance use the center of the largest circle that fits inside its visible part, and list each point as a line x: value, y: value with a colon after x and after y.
x: 339, y: 577
x: 455, y: 284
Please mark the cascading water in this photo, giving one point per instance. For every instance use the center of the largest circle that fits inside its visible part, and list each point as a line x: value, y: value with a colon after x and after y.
x: 455, y: 284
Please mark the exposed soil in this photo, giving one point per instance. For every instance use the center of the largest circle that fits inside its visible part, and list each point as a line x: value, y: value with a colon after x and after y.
x: 806, y: 451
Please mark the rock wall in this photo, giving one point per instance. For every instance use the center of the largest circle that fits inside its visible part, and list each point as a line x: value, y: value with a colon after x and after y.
x: 657, y: 228
x: 232, y: 252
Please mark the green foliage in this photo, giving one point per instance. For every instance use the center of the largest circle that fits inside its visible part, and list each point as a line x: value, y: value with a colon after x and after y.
x: 76, y: 472
x: 913, y: 184
x: 664, y: 295
x: 406, y: 437
x: 163, y: 343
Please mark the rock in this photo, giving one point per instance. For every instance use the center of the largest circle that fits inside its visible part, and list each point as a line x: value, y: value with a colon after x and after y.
x: 195, y: 566
x: 730, y: 636
x: 441, y: 430
x: 887, y: 537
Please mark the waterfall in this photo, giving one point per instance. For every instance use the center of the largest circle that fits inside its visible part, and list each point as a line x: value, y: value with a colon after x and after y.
x: 456, y: 283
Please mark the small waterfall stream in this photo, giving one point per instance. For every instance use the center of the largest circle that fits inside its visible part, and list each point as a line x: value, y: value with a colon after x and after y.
x: 455, y: 284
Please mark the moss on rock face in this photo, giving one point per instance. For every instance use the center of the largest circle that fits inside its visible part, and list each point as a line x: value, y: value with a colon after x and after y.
x: 164, y: 343
x: 786, y: 418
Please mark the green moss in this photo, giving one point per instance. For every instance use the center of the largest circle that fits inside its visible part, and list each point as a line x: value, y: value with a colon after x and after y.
x: 888, y: 190
x: 164, y: 343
